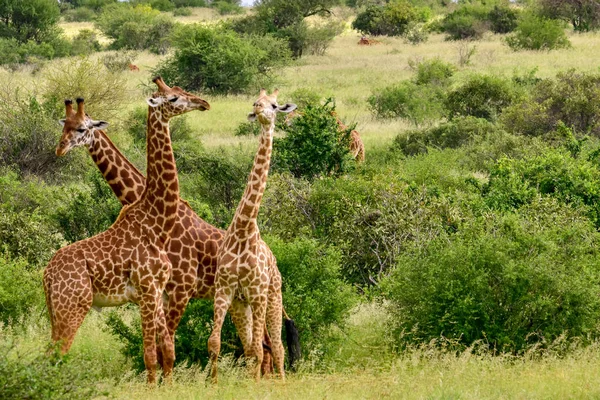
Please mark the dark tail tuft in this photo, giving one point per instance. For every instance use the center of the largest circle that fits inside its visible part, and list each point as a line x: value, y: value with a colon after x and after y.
x: 293, y: 343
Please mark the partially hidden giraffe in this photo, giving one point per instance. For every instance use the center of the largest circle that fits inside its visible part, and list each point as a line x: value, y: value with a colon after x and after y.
x: 247, y: 279
x: 356, y: 145
x: 127, y: 262
x: 192, y: 248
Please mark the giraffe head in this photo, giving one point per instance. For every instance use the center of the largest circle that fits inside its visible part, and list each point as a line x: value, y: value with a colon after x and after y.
x: 173, y: 101
x: 266, y: 108
x: 78, y: 128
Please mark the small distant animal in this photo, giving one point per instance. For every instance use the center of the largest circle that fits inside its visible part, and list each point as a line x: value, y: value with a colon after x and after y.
x: 133, y: 67
x: 364, y: 41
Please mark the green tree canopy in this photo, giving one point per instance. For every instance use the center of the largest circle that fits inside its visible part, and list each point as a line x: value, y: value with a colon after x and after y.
x: 28, y: 20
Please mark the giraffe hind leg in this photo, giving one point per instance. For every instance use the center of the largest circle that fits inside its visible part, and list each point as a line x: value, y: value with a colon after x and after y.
x: 275, y: 322
x: 223, y: 299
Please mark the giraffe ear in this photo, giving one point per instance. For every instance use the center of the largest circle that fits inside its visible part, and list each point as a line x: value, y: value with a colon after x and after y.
x: 287, y: 108
x: 251, y: 117
x: 99, y: 124
x: 62, y: 122
x: 154, y: 101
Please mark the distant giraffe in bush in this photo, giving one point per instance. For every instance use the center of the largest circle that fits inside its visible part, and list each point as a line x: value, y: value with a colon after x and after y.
x: 357, y: 147
x: 134, y: 68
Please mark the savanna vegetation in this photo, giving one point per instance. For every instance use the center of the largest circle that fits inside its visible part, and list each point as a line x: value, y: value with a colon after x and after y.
x: 460, y: 260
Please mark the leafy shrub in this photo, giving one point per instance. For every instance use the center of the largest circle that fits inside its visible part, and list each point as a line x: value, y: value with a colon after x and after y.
x: 162, y: 5
x: 458, y: 132
x: 182, y: 12
x: 417, y: 103
x: 37, y: 377
x: 33, y: 20
x: 313, y: 145
x: 136, y: 28
x: 432, y: 72
x: 86, y: 42
x: 416, y: 33
x: 319, y: 38
x: 467, y: 22
x: 221, y: 61
x: 538, y: 33
x: 503, y: 19
x: 103, y: 90
x: 227, y: 8
x: 303, y: 97
x: 189, y: 3
x: 511, y: 281
x: 583, y: 15
x: 482, y: 96
x: 79, y: 14
x: 514, y: 183
x: 391, y: 19
x: 119, y: 60
x: 20, y: 289
x: 15, y: 53
x: 88, y: 212
x: 136, y: 126
x: 247, y: 128
x: 573, y: 98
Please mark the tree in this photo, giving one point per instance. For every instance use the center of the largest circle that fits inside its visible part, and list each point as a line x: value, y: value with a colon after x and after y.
x: 583, y: 14
x: 28, y: 20
x: 286, y: 13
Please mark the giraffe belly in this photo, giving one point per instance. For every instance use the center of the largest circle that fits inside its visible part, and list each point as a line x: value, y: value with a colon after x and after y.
x: 126, y: 295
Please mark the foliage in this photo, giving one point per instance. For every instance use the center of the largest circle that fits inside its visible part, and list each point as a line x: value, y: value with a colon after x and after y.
x: 136, y: 28
x: 103, y: 90
x: 584, y: 15
x: 433, y: 71
x: 182, y: 12
x: 119, y: 60
x: 227, y: 8
x: 416, y: 103
x: 573, y: 98
x: 247, y: 128
x: 455, y: 133
x: 189, y: 3
x: 416, y: 33
x: 538, y: 33
x: 391, y: 19
x: 80, y: 14
x: 20, y: 289
x: 86, y: 42
x: 179, y: 127
x: 319, y: 38
x: 220, y: 61
x: 37, y: 376
x: 28, y: 20
x: 509, y: 280
x: 313, y: 146
x: 482, y: 96
x: 556, y: 173
x: 503, y: 19
x: 469, y: 21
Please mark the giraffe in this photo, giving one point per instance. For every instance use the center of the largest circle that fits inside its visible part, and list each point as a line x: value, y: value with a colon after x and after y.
x: 356, y: 145
x: 127, y: 262
x: 247, y: 279
x: 193, y: 244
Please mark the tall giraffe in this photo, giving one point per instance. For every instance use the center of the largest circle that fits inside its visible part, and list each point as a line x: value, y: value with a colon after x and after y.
x: 127, y: 262
x: 247, y: 278
x: 192, y: 248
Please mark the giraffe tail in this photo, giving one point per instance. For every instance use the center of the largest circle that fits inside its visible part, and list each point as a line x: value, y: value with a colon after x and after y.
x: 292, y: 340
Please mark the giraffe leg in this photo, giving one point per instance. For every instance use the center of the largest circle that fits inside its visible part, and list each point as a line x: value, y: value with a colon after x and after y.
x: 149, y: 309
x: 259, y: 308
x: 275, y: 324
x: 241, y: 314
x: 166, y: 345
x: 173, y: 310
x: 223, y: 299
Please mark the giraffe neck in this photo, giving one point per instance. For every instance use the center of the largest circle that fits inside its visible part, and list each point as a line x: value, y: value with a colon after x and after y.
x: 247, y: 210
x: 161, y: 195
x: 125, y: 180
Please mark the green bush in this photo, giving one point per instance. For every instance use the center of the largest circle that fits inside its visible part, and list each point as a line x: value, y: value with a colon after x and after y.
x: 37, y: 376
x: 538, y: 33
x: 136, y: 126
x: 32, y: 20
x: 416, y: 103
x: 189, y: 3
x: 218, y: 60
x: 482, y: 96
x: 86, y: 42
x: 517, y: 182
x: 182, y: 12
x: 313, y: 145
x: 503, y: 19
x: 80, y: 14
x: 416, y: 33
x: 469, y: 21
x: 319, y: 38
x: 391, y: 19
x: 119, y: 60
x: 432, y: 72
x: 227, y: 8
x: 303, y: 97
x: 510, y: 281
x: 136, y: 28
x: 20, y: 289
x: 573, y: 98
x: 584, y: 15
x: 458, y: 132
x: 247, y: 128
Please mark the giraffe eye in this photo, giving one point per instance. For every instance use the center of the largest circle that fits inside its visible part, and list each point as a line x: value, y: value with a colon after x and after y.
x: 174, y: 99
x: 274, y: 106
x: 81, y: 130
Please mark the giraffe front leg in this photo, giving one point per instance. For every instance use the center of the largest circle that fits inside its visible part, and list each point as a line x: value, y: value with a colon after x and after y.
x: 223, y: 299
x: 167, y: 346
x: 149, y: 310
x: 259, y: 308
x: 275, y: 324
